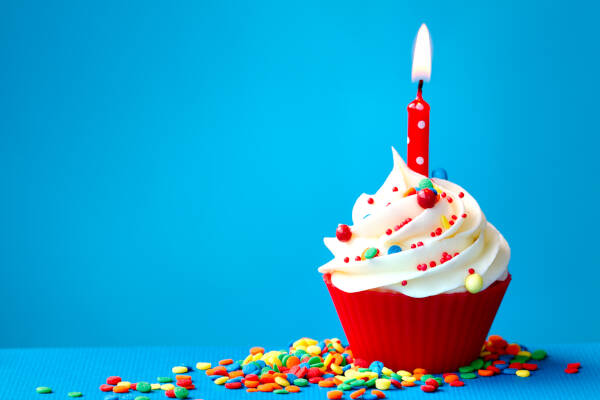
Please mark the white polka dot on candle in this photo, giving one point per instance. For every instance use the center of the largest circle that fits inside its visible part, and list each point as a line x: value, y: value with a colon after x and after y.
x: 420, y: 106
x: 407, y: 140
x: 421, y: 124
x: 420, y: 160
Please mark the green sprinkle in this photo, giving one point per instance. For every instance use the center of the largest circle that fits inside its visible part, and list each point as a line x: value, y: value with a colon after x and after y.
x: 280, y: 391
x: 349, y: 381
x: 300, y: 382
x: 487, y: 364
x: 439, y: 381
x: 164, y: 379
x: 466, y: 368
x: 425, y: 183
x: 370, y: 382
x: 477, y: 364
x: 317, y: 365
x: 396, y: 376
x: 181, y: 393
x: 143, y: 387
x: 468, y: 375
x: 521, y: 359
x: 357, y: 383
x: 75, y: 394
x: 314, y: 360
x: 425, y: 377
x: 265, y: 370
x: 43, y: 390
x: 363, y: 369
x: 142, y: 398
x: 371, y: 252
x: 344, y: 386
x: 539, y: 354
x: 275, y: 368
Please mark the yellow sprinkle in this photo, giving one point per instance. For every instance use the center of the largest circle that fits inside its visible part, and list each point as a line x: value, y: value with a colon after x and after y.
x: 351, y: 373
x: 202, y: 366
x: 524, y: 353
x: 257, y: 356
x: 337, y: 369
x: 474, y: 283
x: 485, y: 353
x: 221, y: 380
x: 155, y: 386
x: 124, y: 384
x: 283, y: 382
x: 386, y: 371
x: 314, y: 350
x: 404, y: 373
x: 328, y: 360
x: 445, y: 223
x: 179, y: 370
x: 247, y: 359
x: 167, y: 386
x: 523, y: 373
x: 338, y: 347
x: 383, y: 384
x: 409, y: 378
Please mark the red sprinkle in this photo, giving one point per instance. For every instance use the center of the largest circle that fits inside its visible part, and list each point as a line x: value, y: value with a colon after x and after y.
x: 370, y: 201
x: 428, y: 388
x: 419, y: 244
x: 530, y: 366
x: 464, y: 215
x: 343, y: 233
x: 450, y: 199
x: 404, y: 283
x: 394, y: 189
x: 432, y: 264
x: 170, y: 393
x: 388, y: 232
x: 461, y: 195
x: 113, y: 380
x: 571, y: 370
x: 454, y: 217
x: 346, y: 259
x: 471, y: 271
x: 457, y: 383
x: 574, y: 365
x: 233, y: 385
x: 357, y: 258
x: 106, y: 388
x: 413, y: 246
x: 438, y: 231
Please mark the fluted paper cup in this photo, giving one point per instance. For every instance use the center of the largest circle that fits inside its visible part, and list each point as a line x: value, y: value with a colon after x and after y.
x: 439, y: 333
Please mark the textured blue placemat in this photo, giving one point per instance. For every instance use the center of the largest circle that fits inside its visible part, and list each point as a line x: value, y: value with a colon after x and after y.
x: 66, y: 370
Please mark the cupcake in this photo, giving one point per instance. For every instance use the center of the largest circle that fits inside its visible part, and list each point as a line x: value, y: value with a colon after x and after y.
x: 419, y: 276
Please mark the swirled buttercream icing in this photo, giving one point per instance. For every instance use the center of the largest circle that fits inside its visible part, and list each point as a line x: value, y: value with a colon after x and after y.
x: 416, y: 236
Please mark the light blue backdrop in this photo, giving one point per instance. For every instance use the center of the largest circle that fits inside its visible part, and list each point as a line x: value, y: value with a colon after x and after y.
x: 168, y: 169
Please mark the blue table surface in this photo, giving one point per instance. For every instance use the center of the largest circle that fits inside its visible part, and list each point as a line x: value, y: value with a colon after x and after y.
x: 84, y: 369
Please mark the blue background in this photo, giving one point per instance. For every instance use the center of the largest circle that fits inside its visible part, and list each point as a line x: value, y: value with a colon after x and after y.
x: 168, y: 170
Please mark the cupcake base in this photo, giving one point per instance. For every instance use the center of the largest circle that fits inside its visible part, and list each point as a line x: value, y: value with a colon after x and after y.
x: 439, y: 333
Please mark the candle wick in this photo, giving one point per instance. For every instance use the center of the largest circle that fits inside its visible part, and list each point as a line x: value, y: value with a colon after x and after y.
x: 420, y: 89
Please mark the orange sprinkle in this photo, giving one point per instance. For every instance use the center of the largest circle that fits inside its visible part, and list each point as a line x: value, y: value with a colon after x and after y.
x: 418, y: 376
x: 267, y: 387
x: 334, y: 394
x: 291, y: 361
x: 485, y: 372
x: 226, y: 361
x: 256, y: 350
x: 450, y: 378
x: 251, y: 384
x: 182, y: 377
x: 276, y: 386
x: 327, y: 383
x: 378, y: 393
x: 407, y: 384
x: 235, y: 374
x: 421, y: 371
x: 120, y: 389
x: 250, y: 390
x: 358, y: 393
x: 337, y: 380
x: 292, y: 389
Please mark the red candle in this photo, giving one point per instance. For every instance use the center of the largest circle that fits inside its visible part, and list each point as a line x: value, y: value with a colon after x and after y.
x: 417, y: 153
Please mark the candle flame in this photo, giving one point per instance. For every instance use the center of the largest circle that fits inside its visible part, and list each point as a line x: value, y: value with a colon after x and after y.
x: 421, y: 68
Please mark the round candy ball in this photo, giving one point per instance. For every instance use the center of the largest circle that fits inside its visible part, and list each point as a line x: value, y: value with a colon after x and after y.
x: 343, y: 233
x: 474, y: 283
x: 394, y: 249
x: 426, y: 198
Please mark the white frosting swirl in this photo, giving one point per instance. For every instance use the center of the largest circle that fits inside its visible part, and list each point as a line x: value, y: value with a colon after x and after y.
x: 469, y: 240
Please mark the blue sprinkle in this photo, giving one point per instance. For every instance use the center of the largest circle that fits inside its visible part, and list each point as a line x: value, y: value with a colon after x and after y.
x: 304, y: 365
x: 213, y: 377
x: 376, y: 366
x: 237, y: 379
x: 325, y: 376
x: 394, y: 249
x: 115, y: 397
x: 368, y: 215
x: 251, y: 368
x: 369, y: 396
x: 439, y: 173
x: 260, y: 363
x: 291, y: 377
x: 346, y: 367
x: 417, y: 188
x: 321, y: 344
x: 509, y: 371
x: 128, y: 396
x: 501, y: 366
x: 433, y: 190
x: 233, y: 367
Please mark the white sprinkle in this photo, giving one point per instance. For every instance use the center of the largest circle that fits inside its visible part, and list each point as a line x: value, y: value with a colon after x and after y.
x: 420, y: 160
x: 421, y: 124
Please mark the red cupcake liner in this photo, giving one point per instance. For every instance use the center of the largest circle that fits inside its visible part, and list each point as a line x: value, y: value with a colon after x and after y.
x: 439, y: 333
